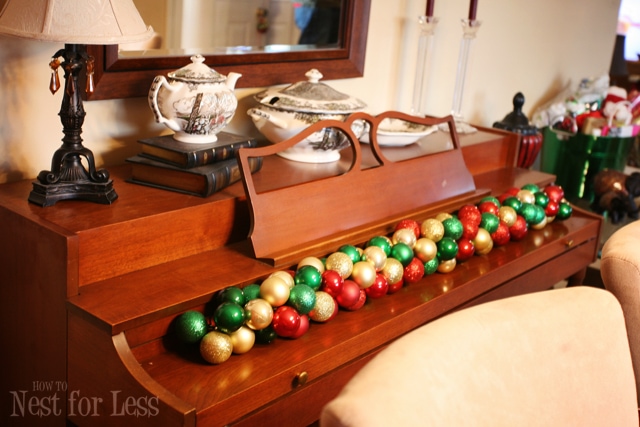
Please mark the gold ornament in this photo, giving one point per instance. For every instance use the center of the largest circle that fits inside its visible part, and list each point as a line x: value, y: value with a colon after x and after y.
x: 393, y: 271
x: 324, y: 308
x: 287, y: 277
x: 425, y: 249
x: 242, y: 340
x: 542, y: 224
x: 404, y: 235
x: 313, y: 261
x: 432, y: 229
x: 275, y: 291
x: 364, y: 274
x: 526, y: 196
x: 340, y: 262
x: 216, y: 347
x: 483, y: 242
x: 376, y: 256
x: 443, y: 215
x: 258, y: 313
x: 447, y: 266
x: 508, y: 215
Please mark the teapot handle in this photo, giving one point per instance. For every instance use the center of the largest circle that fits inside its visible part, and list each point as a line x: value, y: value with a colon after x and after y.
x: 158, y: 82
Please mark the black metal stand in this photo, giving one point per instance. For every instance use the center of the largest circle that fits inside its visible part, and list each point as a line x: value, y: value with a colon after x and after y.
x: 68, y: 177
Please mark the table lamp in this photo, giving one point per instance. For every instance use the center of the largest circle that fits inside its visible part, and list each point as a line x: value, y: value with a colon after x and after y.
x: 75, y: 23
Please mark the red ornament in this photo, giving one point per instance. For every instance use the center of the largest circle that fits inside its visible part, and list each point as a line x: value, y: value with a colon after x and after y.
x: 555, y: 193
x: 395, y: 287
x: 490, y: 207
x: 303, y: 328
x: 469, y: 230
x: 379, y: 288
x: 349, y: 295
x: 362, y: 298
x: 466, y: 249
x: 332, y: 283
x: 519, y: 229
x: 286, y: 321
x: 470, y: 214
x: 513, y: 191
x: 411, y: 225
x: 414, y: 271
x: 503, y: 197
x: 552, y: 208
x: 502, y: 235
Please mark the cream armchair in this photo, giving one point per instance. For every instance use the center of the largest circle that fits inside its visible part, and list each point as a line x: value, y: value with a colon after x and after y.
x: 552, y: 358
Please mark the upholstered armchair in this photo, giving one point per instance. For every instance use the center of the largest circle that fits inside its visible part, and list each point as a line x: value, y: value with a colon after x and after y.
x: 554, y: 358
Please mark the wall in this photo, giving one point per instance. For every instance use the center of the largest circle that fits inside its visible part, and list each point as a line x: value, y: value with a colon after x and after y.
x: 536, y: 47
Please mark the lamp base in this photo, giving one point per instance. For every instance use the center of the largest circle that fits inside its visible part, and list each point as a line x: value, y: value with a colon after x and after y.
x: 48, y: 194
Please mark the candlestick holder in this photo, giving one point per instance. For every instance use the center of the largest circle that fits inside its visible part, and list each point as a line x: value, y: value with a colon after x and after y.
x: 423, y: 64
x: 470, y: 28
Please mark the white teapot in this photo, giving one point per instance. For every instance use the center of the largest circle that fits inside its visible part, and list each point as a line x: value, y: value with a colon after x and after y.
x: 196, y: 102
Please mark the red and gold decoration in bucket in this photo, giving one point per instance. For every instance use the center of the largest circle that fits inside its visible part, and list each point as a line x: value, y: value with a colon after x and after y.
x: 286, y: 303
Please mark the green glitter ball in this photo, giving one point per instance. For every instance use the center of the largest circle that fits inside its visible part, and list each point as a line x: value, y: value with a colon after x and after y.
x: 352, y: 251
x: 564, y: 211
x: 381, y: 242
x: 528, y: 212
x: 489, y: 222
x: 228, y: 317
x: 491, y: 199
x: 251, y: 292
x: 266, y: 335
x: 453, y: 228
x: 308, y: 275
x: 402, y: 252
x: 303, y: 298
x: 447, y: 249
x: 513, y: 202
x: 431, y: 266
x: 231, y: 294
x: 190, y: 326
x: 542, y: 199
x: 531, y: 187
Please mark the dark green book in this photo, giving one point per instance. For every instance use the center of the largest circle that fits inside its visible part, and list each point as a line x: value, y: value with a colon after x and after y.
x: 188, y: 155
x: 198, y: 181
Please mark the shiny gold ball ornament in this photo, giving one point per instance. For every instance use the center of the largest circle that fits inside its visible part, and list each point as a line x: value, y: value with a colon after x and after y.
x: 432, y: 229
x: 325, y: 307
x: 508, y: 215
x: 364, y: 274
x: 313, y: 261
x: 216, y: 347
x: 275, y: 291
x: 258, y: 314
x: 483, y: 242
x: 447, y: 266
x: 526, y: 196
x: 242, y: 340
x: 404, y: 235
x: 376, y: 256
x: 542, y: 224
x: 286, y: 276
x: 340, y: 262
x: 425, y: 249
x: 393, y: 271
x: 443, y: 215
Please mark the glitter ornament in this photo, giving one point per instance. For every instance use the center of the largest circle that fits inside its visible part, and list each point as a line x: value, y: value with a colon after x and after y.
x: 286, y: 321
x: 190, y: 326
x: 376, y: 256
x: 332, y: 283
x: 447, y: 248
x: 302, y: 298
x: 514, y: 203
x: 303, y: 328
x: 432, y: 229
x: 393, y: 271
x: 364, y: 274
x: 383, y: 242
x: 349, y: 295
x: 313, y: 261
x: 470, y: 229
x: 308, y: 275
x: 564, y: 211
x: 242, y: 340
x: 324, y: 309
x: 526, y: 196
x: 402, y: 253
x: 425, y: 249
x: 431, y: 267
x: 275, y: 291
x: 447, y: 266
x: 231, y: 294
x: 340, y: 262
x: 519, y: 229
x: 379, y: 287
x: 404, y: 235
x: 489, y: 222
x: 410, y: 224
x: 452, y: 228
x: 442, y: 216
x: 251, y: 292
x: 228, y: 317
x: 287, y: 276
x: 266, y: 335
x: 413, y: 272
x: 352, y: 251
x: 466, y: 250
x: 362, y: 299
x: 483, y: 242
x: 469, y: 214
x: 555, y: 193
x: 489, y: 206
x: 501, y: 236
x: 216, y: 347
x: 258, y: 314
x: 507, y: 215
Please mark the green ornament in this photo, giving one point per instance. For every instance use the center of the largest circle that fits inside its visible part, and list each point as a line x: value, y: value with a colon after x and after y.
x: 231, y: 294
x: 308, y: 275
x: 251, y: 292
x: 447, y: 249
x: 528, y: 212
x: 531, y: 187
x: 453, y: 228
x: 542, y: 199
x: 489, y: 222
x: 382, y: 242
x: 564, y: 211
x: 228, y: 317
x: 539, y: 215
x: 190, y: 326
x: 492, y: 199
x: 266, y: 335
x: 431, y: 266
x: 402, y: 252
x: 513, y: 202
x: 303, y: 298
x: 352, y: 251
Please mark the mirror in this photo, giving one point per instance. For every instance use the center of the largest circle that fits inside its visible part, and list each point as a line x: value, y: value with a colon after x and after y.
x: 126, y: 74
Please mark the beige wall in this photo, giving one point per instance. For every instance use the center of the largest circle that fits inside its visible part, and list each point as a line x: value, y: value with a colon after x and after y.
x: 537, y: 47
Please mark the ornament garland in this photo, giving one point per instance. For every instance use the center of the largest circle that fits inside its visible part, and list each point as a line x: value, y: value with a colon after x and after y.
x: 287, y: 302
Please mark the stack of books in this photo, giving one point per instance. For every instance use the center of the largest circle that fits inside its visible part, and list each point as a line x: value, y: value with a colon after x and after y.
x: 196, y: 169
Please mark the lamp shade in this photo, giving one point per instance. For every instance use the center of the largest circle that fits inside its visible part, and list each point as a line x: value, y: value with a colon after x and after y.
x: 74, y: 21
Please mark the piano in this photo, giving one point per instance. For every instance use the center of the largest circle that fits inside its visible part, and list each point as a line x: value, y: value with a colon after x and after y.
x: 89, y: 292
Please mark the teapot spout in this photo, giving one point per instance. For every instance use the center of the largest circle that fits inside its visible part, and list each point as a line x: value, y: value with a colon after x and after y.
x: 232, y: 79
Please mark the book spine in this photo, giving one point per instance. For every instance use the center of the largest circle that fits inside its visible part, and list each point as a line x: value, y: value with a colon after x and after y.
x: 217, y: 154
x: 229, y: 174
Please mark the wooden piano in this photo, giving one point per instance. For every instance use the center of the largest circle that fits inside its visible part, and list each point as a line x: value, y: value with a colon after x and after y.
x: 89, y: 291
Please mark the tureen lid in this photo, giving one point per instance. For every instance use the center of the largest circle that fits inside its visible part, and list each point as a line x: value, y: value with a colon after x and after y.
x: 310, y: 96
x: 197, y: 72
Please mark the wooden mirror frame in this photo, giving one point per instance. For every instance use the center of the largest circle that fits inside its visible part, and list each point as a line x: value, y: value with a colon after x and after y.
x: 116, y: 78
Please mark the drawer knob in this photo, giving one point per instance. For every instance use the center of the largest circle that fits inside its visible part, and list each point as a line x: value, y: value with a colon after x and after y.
x: 568, y: 243
x: 301, y: 379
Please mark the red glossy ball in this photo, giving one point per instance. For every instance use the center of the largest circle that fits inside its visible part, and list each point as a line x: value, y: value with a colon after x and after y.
x: 411, y: 225
x: 503, y: 197
x: 555, y: 193
x: 332, y: 283
x: 552, y: 208
x: 513, y: 191
x: 519, y: 229
x: 466, y: 249
x: 302, y: 328
x: 362, y: 298
x: 414, y: 271
x: 470, y: 214
x: 489, y: 207
x: 501, y: 236
x: 379, y: 288
x: 349, y: 295
x: 395, y: 287
x: 286, y: 321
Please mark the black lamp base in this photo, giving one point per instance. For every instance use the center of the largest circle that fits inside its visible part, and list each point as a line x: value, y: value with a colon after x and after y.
x: 48, y: 194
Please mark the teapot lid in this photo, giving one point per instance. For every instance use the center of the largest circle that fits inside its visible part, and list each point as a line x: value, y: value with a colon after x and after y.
x: 197, y: 72
x: 310, y: 96
x: 516, y: 121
